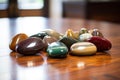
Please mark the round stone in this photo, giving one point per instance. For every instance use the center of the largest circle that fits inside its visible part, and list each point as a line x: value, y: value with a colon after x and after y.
x: 30, y: 46
x: 57, y: 50
x: 16, y: 39
x: 85, y: 36
x: 96, y: 32
x: 83, y: 48
x: 83, y: 30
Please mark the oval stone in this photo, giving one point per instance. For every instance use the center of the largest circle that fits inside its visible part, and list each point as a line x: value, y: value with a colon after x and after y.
x: 53, y: 33
x: 85, y: 36
x: 96, y: 32
x: 69, y: 33
x: 83, y: 48
x: 57, y: 50
x: 30, y: 46
x: 101, y: 43
x: 40, y: 35
x: 16, y: 39
x: 76, y: 33
x: 83, y: 30
x: 68, y: 41
x: 49, y: 39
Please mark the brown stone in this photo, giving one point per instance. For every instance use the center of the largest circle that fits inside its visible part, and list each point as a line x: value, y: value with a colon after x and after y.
x: 16, y: 39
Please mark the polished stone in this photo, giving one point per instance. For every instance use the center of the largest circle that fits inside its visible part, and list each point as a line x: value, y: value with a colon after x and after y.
x: 48, y: 40
x: 30, y: 46
x: 101, y: 43
x: 83, y: 48
x: 85, y: 36
x: 40, y: 35
x: 83, y: 30
x: 69, y: 33
x: 68, y: 41
x: 57, y: 50
x: 16, y: 39
x: 95, y: 32
x: 53, y: 33
x: 76, y: 35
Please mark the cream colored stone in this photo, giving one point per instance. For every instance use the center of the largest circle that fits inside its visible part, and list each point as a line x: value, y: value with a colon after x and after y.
x: 83, y: 48
x: 85, y: 36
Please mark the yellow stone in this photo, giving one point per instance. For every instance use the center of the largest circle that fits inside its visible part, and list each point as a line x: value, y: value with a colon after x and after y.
x: 70, y: 33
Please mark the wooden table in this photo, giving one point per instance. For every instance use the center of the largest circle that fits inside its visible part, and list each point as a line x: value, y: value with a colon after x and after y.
x: 102, y: 66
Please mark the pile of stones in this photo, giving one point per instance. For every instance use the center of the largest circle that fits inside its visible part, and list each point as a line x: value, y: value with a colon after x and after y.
x: 84, y: 42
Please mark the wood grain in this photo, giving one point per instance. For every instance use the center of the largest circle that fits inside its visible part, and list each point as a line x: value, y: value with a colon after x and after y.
x: 102, y: 66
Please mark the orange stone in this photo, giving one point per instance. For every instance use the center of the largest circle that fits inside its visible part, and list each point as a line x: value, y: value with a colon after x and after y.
x: 16, y: 39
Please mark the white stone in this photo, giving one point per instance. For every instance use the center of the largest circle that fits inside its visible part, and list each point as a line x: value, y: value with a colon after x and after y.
x: 83, y: 48
x: 85, y: 36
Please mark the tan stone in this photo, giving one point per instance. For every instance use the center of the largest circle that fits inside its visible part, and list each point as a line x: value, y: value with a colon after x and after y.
x: 83, y: 48
x: 16, y: 39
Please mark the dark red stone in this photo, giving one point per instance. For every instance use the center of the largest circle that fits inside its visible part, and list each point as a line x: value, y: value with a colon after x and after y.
x: 102, y: 44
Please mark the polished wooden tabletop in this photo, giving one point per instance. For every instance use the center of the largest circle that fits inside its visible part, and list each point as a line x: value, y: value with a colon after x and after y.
x: 102, y: 66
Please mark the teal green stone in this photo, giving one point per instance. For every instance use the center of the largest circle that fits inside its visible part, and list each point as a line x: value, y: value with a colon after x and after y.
x: 57, y: 50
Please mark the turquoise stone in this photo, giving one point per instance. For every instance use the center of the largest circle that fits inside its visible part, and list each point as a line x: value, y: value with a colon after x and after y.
x: 57, y: 50
x: 40, y: 35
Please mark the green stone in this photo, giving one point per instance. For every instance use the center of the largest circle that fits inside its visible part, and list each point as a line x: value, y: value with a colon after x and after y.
x: 57, y: 50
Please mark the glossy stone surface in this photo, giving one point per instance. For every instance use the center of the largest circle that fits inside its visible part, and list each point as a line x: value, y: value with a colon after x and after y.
x: 69, y: 33
x: 40, y: 35
x: 95, y: 32
x: 48, y: 40
x: 57, y: 50
x: 16, y: 39
x: 83, y: 48
x: 53, y: 33
x: 30, y: 46
x: 76, y: 35
x: 68, y: 41
x: 102, y: 44
x: 83, y: 30
x: 85, y: 36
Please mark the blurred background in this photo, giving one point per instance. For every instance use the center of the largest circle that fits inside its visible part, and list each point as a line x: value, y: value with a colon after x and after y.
x: 102, y: 10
